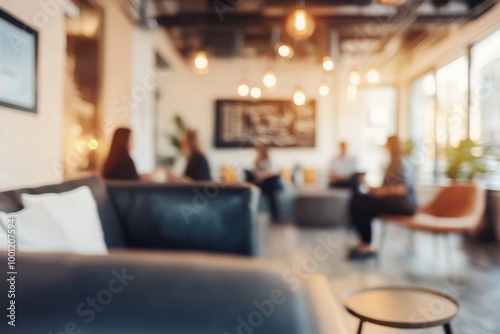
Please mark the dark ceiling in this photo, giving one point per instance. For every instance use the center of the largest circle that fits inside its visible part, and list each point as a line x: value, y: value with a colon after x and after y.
x: 358, y: 28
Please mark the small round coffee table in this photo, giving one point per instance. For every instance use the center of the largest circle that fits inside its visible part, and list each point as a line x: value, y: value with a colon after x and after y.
x: 402, y: 307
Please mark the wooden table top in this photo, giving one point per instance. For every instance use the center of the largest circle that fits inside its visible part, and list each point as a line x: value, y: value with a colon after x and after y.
x: 402, y: 307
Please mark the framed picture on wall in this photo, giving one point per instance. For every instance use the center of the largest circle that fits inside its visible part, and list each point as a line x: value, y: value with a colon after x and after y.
x: 18, y: 64
x: 273, y: 123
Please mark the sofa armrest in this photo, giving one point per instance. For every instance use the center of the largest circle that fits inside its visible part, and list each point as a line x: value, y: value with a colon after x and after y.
x: 326, y: 309
x: 154, y: 292
x: 201, y: 216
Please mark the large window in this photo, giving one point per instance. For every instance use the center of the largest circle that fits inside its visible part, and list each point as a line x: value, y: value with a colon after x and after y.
x: 378, y: 105
x: 452, y: 97
x: 441, y: 115
x: 485, y: 97
x: 422, y: 120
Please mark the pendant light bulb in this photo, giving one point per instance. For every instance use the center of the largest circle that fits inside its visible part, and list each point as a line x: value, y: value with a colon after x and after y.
x: 299, y: 98
x: 300, y: 24
x: 256, y: 93
x: 269, y: 79
x: 243, y: 89
x: 328, y: 64
x: 324, y: 90
x: 354, y: 78
x: 373, y: 77
x: 285, y: 50
x: 200, y: 62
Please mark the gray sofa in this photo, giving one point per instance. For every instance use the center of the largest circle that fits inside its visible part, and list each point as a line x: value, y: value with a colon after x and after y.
x: 179, y: 285
x: 203, y: 216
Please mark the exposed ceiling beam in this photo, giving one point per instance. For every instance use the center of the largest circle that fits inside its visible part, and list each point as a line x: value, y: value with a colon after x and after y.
x: 261, y: 20
x: 313, y: 3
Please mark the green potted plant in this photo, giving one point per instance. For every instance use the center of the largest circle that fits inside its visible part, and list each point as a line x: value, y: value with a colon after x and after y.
x: 174, y: 139
x: 469, y: 160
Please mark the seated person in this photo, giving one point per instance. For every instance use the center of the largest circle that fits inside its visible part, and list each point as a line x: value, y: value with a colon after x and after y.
x: 343, y: 170
x: 197, y: 168
x: 395, y: 197
x: 119, y: 164
x: 266, y: 178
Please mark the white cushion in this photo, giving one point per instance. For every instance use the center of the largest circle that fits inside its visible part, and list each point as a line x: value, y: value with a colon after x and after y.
x: 76, y: 213
x: 35, y: 230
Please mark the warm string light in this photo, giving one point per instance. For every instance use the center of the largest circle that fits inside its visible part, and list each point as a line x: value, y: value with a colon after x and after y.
x: 373, y: 77
x: 354, y: 78
x: 328, y: 64
x: 324, y: 90
x: 200, y: 63
x: 269, y: 79
x: 285, y: 51
x: 256, y: 93
x: 300, y: 24
x: 299, y: 97
x: 243, y: 89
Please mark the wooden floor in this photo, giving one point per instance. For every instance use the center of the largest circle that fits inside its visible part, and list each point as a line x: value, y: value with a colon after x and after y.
x: 463, y: 268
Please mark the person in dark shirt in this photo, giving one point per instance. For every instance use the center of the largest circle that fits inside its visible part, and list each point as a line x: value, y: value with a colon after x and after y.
x: 396, y: 196
x: 267, y: 178
x: 197, y: 168
x: 119, y: 164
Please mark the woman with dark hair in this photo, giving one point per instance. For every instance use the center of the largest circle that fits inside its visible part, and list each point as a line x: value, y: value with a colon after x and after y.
x: 396, y: 196
x: 197, y: 168
x: 119, y: 164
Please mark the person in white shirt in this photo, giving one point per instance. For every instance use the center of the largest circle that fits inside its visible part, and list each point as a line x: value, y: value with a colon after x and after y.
x: 343, y: 170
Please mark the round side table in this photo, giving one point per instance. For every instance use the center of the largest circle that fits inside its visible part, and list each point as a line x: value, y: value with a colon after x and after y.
x: 402, y: 307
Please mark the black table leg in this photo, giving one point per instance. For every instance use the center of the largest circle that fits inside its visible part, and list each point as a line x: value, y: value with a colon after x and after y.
x: 447, y: 329
x: 360, y: 328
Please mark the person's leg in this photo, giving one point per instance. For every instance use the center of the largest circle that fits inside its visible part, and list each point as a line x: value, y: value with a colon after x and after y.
x: 354, y: 183
x: 363, y: 210
x: 270, y: 188
x: 273, y: 205
x: 249, y: 177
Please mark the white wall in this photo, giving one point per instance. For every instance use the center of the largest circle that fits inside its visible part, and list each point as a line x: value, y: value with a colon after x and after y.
x: 144, y: 84
x: 193, y: 96
x: 31, y: 144
x: 117, y: 72
x: 129, y: 84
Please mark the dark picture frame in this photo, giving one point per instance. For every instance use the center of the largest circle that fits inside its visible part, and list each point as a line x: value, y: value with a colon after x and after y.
x: 299, y: 139
x: 22, y: 26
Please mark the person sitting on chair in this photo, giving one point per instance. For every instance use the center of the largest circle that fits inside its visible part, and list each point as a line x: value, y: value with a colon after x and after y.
x: 343, y: 170
x: 266, y: 178
x: 396, y: 196
x: 197, y: 168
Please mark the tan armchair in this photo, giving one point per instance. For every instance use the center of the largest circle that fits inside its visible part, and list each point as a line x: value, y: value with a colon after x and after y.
x: 458, y: 208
